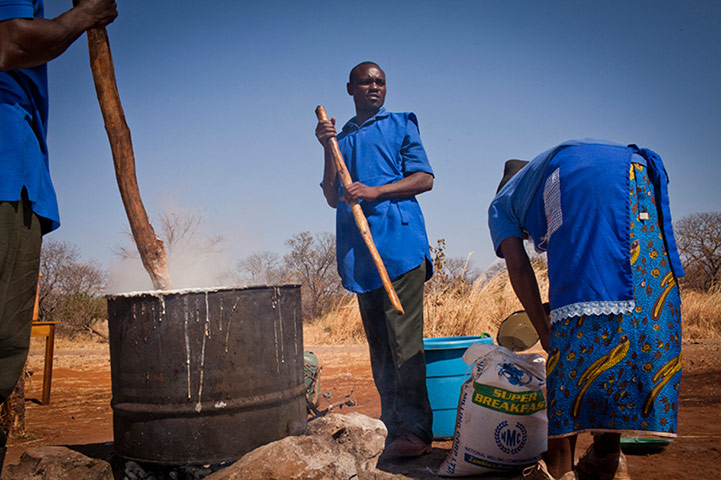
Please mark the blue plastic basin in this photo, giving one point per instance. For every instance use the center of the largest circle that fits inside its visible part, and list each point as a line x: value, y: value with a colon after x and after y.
x: 445, y: 373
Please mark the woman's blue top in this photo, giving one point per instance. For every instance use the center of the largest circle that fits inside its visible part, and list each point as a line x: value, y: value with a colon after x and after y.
x: 573, y: 201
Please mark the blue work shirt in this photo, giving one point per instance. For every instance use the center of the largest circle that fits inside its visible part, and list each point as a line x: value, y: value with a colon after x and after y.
x: 385, y: 149
x: 23, y: 129
x: 573, y: 202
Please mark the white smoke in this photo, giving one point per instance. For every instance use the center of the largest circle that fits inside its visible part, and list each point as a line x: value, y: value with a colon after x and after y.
x: 196, y: 258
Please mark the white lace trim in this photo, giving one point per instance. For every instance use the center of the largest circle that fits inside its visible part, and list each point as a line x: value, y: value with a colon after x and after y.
x: 592, y: 308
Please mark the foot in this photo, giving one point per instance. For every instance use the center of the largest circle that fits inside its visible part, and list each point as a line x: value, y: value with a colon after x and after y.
x: 406, y: 445
x: 540, y: 471
x: 611, y: 467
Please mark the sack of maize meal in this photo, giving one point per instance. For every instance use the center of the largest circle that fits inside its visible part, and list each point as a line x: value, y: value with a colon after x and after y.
x: 501, y: 425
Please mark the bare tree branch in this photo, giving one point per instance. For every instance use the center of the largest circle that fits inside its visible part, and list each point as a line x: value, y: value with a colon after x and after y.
x: 698, y: 237
x: 181, y: 231
x: 70, y: 289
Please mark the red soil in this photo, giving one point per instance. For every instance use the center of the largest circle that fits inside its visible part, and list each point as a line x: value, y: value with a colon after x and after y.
x: 79, y: 412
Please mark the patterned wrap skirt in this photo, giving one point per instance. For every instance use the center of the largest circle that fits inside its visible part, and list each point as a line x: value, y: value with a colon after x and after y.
x: 622, y: 373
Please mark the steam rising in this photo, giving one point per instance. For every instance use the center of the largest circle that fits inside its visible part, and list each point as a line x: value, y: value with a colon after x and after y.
x: 195, y: 259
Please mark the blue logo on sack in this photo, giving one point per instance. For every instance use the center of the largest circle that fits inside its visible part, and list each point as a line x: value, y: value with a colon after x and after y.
x: 510, y: 440
x: 514, y: 375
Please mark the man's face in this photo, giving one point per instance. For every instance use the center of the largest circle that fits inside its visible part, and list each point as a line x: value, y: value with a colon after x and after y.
x: 368, y: 87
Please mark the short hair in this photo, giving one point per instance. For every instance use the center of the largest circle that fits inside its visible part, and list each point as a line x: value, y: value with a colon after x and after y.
x: 362, y: 64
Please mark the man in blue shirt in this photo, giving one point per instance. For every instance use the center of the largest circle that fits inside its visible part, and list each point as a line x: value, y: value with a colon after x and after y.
x: 389, y: 166
x: 28, y: 208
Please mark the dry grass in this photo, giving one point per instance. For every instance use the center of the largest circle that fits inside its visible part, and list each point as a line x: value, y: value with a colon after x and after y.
x: 456, y: 309
x: 450, y: 310
x: 701, y: 313
x: 83, y: 352
x: 341, y: 326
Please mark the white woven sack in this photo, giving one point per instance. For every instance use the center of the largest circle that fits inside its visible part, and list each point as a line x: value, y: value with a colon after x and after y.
x: 501, y: 425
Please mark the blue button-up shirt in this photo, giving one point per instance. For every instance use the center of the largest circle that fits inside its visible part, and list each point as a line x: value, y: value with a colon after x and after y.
x: 385, y: 149
x: 23, y: 127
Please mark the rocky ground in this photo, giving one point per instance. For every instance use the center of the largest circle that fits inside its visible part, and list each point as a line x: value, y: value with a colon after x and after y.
x: 79, y: 413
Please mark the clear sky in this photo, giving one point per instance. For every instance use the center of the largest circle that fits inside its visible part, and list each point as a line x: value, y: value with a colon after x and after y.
x: 220, y: 100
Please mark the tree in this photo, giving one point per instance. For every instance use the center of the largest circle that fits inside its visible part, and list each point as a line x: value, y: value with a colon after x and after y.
x: 263, y: 268
x: 698, y: 237
x: 70, y: 289
x: 311, y: 262
x: 181, y: 231
x: 193, y: 254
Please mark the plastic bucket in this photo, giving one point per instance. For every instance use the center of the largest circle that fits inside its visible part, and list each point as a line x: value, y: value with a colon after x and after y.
x: 445, y: 373
x: 633, y: 445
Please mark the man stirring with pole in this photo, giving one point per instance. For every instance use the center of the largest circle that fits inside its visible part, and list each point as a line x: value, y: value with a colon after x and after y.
x: 28, y: 208
x: 389, y: 166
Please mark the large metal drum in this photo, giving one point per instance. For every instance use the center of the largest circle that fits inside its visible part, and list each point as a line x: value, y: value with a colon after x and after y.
x: 205, y: 376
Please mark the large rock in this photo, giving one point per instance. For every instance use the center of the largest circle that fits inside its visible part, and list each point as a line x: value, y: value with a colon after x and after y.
x: 57, y: 463
x: 315, y: 457
x: 337, y: 447
x: 361, y: 436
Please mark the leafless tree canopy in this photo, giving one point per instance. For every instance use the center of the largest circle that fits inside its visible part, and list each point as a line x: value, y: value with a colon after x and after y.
x: 698, y: 237
x: 70, y: 288
x: 263, y: 268
x: 180, y: 231
x: 310, y: 261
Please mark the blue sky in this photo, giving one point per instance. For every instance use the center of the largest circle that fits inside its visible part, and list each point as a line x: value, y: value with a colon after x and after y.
x: 220, y: 100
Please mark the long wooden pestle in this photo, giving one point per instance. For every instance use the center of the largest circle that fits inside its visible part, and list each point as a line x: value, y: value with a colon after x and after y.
x: 150, y: 246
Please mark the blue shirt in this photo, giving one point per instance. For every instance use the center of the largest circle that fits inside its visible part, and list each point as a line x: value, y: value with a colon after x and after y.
x: 573, y: 202
x: 23, y: 128
x: 385, y: 149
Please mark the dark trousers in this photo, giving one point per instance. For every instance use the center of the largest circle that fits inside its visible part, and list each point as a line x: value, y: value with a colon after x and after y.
x: 396, y: 352
x: 20, y: 239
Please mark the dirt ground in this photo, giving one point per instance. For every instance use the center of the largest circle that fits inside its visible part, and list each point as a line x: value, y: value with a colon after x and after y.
x: 79, y: 413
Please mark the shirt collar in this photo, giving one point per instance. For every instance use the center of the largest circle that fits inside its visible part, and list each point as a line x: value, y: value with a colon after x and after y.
x: 352, y: 125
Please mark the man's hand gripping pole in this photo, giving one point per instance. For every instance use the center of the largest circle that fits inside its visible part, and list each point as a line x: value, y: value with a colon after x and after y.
x: 360, y: 219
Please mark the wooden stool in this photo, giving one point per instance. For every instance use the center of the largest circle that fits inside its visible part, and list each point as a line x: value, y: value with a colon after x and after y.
x: 47, y: 330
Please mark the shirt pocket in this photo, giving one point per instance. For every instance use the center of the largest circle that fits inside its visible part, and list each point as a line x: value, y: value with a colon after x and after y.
x: 377, y: 209
x: 375, y: 180
x: 402, y: 214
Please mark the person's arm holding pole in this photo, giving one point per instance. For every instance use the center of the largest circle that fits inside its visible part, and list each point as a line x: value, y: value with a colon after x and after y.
x: 332, y: 152
x: 29, y: 42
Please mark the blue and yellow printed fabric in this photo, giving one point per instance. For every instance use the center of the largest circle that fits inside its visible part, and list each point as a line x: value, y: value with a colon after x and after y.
x: 622, y: 373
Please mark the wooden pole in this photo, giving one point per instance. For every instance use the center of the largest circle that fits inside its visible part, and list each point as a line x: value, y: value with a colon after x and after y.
x: 150, y: 246
x: 360, y: 218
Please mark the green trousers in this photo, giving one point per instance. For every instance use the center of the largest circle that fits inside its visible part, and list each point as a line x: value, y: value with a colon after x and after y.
x: 397, y: 359
x: 20, y: 240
